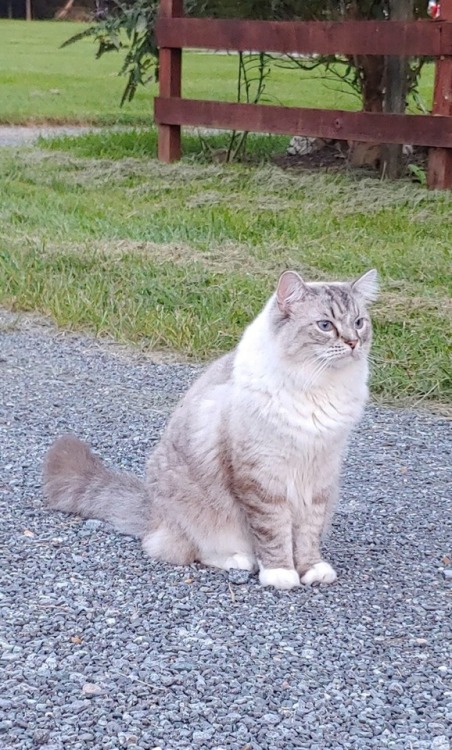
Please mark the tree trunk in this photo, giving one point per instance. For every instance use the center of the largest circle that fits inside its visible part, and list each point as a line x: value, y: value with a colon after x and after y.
x: 371, y: 72
x: 28, y: 12
x: 372, y: 68
x: 396, y: 80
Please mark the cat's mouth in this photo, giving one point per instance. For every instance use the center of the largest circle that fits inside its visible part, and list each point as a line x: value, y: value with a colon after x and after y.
x: 354, y: 354
x: 341, y: 356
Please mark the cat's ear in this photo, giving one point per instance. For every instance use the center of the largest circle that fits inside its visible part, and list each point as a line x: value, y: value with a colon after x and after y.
x: 291, y: 289
x: 366, y: 286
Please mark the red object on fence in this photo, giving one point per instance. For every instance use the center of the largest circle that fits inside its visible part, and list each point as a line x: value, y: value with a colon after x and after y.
x: 433, y: 9
x: 175, y: 32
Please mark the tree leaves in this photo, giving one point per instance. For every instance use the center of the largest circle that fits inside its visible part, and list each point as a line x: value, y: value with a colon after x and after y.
x: 129, y: 27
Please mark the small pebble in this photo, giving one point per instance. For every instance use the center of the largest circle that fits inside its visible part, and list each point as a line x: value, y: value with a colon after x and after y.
x: 238, y: 576
x: 89, y: 688
x: 93, y: 523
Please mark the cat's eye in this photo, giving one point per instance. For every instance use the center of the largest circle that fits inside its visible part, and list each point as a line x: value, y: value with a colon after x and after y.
x: 359, y: 322
x: 325, y: 325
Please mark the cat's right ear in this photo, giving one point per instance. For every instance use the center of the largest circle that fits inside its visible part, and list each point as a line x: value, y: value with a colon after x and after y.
x: 291, y: 289
x: 366, y: 286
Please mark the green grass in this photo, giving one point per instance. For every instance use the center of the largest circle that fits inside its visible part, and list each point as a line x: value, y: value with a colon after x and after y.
x: 39, y: 82
x: 115, y: 145
x: 180, y: 257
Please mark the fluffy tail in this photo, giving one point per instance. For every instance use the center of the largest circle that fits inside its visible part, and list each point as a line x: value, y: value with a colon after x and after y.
x: 76, y: 481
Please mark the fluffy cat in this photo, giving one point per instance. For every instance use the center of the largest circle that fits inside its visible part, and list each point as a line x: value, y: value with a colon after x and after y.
x: 246, y: 473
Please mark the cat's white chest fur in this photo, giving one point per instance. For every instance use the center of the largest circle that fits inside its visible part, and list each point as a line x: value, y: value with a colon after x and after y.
x: 319, y: 413
x: 304, y: 434
x: 299, y: 415
x: 301, y: 423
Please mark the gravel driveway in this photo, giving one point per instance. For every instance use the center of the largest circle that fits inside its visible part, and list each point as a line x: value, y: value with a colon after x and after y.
x: 19, y: 135
x: 103, y: 648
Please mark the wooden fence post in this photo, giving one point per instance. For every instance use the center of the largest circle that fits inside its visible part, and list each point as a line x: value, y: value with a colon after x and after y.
x: 439, y: 174
x: 170, y: 73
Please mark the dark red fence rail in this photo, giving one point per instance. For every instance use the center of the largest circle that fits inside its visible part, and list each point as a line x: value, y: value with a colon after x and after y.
x: 431, y: 38
x: 322, y: 37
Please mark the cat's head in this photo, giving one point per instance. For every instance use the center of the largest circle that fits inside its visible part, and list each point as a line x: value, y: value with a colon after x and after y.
x: 327, y: 322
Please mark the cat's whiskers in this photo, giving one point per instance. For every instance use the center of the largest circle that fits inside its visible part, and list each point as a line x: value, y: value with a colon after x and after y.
x: 315, y: 374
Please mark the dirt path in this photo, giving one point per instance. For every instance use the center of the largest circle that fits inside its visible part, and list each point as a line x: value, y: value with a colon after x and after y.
x: 16, y: 135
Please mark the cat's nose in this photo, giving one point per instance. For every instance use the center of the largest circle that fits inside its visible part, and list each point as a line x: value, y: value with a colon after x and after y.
x: 351, y: 342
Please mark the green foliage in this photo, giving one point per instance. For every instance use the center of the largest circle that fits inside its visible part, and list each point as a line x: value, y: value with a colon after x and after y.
x: 129, y: 27
x: 417, y: 174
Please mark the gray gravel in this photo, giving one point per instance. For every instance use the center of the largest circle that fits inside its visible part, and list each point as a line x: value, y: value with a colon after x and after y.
x: 22, y: 135
x: 103, y: 648
x: 19, y: 135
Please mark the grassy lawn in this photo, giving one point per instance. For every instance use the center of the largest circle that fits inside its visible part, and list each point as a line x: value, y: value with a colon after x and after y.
x: 39, y: 82
x: 180, y: 257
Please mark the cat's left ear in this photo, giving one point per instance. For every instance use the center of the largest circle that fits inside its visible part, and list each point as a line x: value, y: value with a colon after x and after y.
x: 366, y: 286
x: 291, y: 289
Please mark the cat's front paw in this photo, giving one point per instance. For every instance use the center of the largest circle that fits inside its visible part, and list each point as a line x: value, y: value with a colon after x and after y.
x: 321, y: 572
x: 280, y: 578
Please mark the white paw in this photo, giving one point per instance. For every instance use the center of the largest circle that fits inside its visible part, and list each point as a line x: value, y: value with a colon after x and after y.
x: 321, y: 572
x: 240, y: 561
x: 280, y: 578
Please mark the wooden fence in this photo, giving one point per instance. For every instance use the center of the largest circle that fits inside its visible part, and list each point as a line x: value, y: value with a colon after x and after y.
x: 431, y: 38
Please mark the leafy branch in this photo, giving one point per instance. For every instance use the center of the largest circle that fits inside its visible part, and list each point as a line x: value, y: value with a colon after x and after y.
x: 253, y: 72
x: 129, y: 27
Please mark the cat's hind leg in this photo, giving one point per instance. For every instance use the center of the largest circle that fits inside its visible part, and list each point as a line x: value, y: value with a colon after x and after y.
x: 235, y: 561
x: 227, y: 548
x: 169, y: 545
